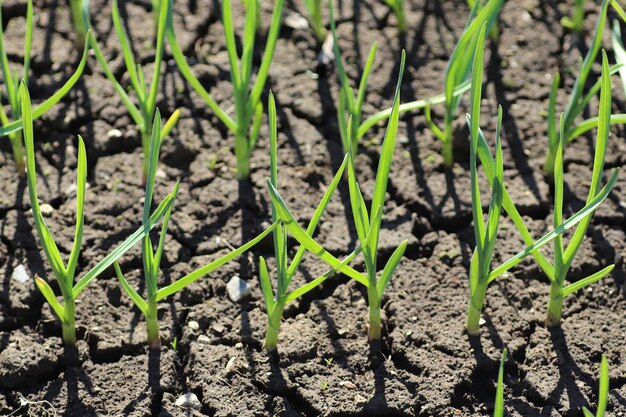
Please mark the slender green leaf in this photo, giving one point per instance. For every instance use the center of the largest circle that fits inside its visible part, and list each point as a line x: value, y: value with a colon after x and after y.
x: 200, y: 272
x: 266, y: 286
x: 48, y: 294
x: 499, y: 404
x: 569, y: 223
x: 582, y: 283
x: 81, y: 182
x: 390, y: 267
x: 128, y: 289
x: 304, y: 239
x: 124, y: 247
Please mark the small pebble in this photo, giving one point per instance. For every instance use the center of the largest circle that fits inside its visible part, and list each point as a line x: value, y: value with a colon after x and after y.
x: 193, y: 326
x: 20, y: 275
x: 46, y: 209
x: 359, y: 399
x: 238, y: 289
x: 230, y: 366
x: 239, y: 345
x: 296, y: 21
x: 114, y: 133
x: 189, y: 400
x: 218, y: 328
x: 204, y: 340
x: 481, y: 321
x: 347, y: 384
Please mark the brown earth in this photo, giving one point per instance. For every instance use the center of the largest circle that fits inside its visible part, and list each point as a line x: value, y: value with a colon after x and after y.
x: 426, y: 364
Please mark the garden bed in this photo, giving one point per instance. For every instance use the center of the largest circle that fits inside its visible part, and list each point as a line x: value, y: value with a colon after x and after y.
x: 426, y: 364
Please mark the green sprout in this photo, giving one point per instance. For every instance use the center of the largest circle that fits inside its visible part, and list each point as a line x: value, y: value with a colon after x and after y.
x: 398, y: 8
x: 580, y: 96
x: 458, y: 71
x: 80, y: 10
x: 152, y: 257
x: 275, y: 301
x: 65, y: 274
x: 498, y: 409
x: 565, y: 255
x: 620, y: 53
x: 367, y: 224
x: 146, y: 92
x: 603, y: 394
x: 481, y: 274
x: 314, y: 8
x: 247, y: 94
x: 349, y: 105
x: 12, y: 83
x: 365, y: 219
x: 576, y: 22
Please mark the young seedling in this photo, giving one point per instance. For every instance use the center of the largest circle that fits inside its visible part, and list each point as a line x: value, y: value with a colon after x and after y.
x: 367, y: 222
x: 565, y: 255
x: 603, y: 394
x: 480, y: 273
x: 349, y: 106
x: 152, y: 257
x: 247, y: 94
x: 580, y: 97
x: 80, y: 11
x: 11, y: 84
x: 458, y: 71
x: 620, y: 53
x: 275, y: 301
x: 65, y: 273
x: 146, y: 93
x: 398, y: 8
x: 314, y: 8
x: 498, y: 409
x: 576, y: 22
x: 485, y: 235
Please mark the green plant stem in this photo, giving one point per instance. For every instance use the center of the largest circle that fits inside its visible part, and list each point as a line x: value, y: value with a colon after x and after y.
x: 18, y: 152
x: 79, y: 22
x: 152, y: 324
x: 375, y: 324
x: 555, y: 305
x: 242, y: 154
x: 448, y: 144
x: 548, y: 164
x: 477, y: 300
x: 68, y: 324
x: 273, y: 326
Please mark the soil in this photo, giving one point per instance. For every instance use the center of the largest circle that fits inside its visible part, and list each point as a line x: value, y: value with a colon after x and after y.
x: 426, y: 365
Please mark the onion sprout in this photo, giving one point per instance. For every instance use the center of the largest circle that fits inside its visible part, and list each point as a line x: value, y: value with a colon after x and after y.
x: 247, y: 94
x: 603, y: 391
x: 152, y: 257
x: 580, y: 97
x: 146, y: 92
x: 458, y: 71
x: 564, y: 256
x: 65, y: 273
x: 480, y: 272
x: 275, y: 302
x: 498, y: 409
x: 12, y: 83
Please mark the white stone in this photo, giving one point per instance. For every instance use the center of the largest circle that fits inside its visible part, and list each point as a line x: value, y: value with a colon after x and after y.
x: 230, y: 366
x: 46, y: 209
x: 20, y: 275
x: 204, y: 340
x: 193, y: 326
x: 238, y: 289
x: 114, y: 133
x: 189, y: 400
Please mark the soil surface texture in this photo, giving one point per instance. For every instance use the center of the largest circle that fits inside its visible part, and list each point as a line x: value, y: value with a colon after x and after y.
x: 426, y: 365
